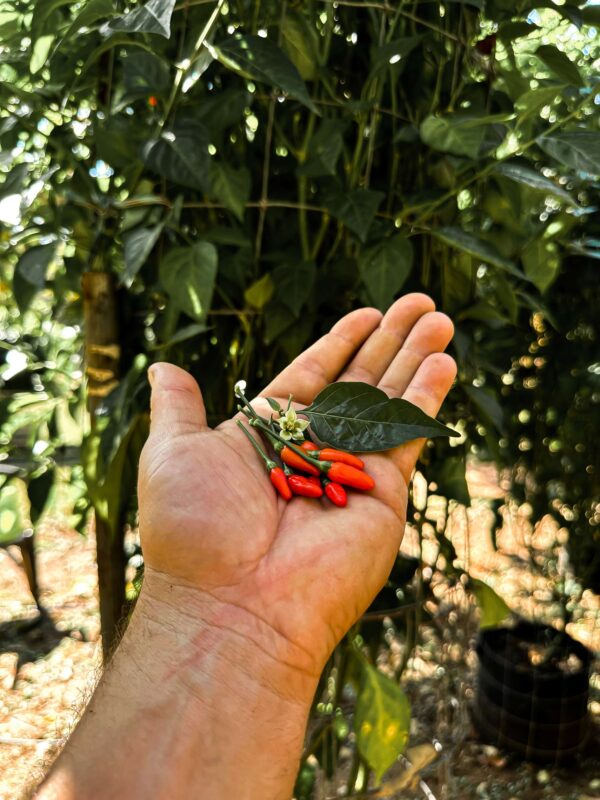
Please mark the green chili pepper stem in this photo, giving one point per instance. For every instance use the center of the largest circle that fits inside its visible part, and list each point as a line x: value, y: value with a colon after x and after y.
x: 243, y: 397
x: 323, y: 466
x: 268, y: 462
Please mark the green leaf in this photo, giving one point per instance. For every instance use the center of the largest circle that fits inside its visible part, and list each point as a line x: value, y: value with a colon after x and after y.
x: 260, y: 59
x: 231, y: 186
x: 529, y: 177
x: 275, y: 405
x: 182, y: 335
x: 394, y: 52
x: 40, y: 52
x: 456, y: 237
x: 325, y: 149
x: 357, y: 416
x: 30, y: 274
x: 181, y: 155
x: 301, y: 43
x: 119, y: 40
x: 509, y: 31
x: 15, y: 181
x: 224, y: 109
x: 88, y: 15
x: 294, y: 283
x: 385, y: 267
x: 12, y: 524
x: 260, y: 292
x: 531, y: 102
x: 493, y: 608
x: 454, y: 134
x: 42, y: 16
x: 452, y: 481
x: 111, y: 485
x: 38, y: 491
x: 381, y: 719
x: 579, y: 149
x: 488, y: 406
x: 356, y: 209
x: 188, y: 275
x: 154, y: 17
x: 560, y: 64
x: 541, y: 260
x: 137, y: 246
x: 145, y: 74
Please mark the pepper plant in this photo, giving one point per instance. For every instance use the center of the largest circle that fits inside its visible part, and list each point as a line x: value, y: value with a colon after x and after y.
x: 214, y: 182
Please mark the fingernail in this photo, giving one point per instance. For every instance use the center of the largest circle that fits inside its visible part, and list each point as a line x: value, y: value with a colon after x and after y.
x: 151, y: 374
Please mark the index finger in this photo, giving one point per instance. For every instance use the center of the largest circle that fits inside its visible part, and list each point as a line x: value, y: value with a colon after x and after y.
x: 322, y: 363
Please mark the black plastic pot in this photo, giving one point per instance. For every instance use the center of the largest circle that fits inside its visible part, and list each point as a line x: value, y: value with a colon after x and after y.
x: 532, y: 691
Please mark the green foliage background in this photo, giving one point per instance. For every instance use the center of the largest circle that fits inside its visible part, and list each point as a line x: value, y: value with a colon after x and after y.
x: 249, y: 171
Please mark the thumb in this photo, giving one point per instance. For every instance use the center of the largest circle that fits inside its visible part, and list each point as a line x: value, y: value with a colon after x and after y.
x: 176, y: 405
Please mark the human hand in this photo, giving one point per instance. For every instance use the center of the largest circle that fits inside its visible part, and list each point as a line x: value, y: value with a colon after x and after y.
x: 220, y: 543
x: 245, y: 596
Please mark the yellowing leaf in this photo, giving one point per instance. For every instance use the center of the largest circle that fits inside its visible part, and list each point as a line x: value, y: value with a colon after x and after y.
x: 493, y: 608
x: 258, y: 295
x: 381, y: 719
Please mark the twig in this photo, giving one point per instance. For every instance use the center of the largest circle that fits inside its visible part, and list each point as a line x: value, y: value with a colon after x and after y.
x: 390, y: 10
x: 264, y: 195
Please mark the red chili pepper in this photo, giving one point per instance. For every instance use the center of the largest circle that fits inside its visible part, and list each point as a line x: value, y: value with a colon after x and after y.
x: 281, y: 483
x: 292, y: 459
x: 152, y: 101
x: 349, y: 476
x: 276, y: 474
x: 336, y: 493
x: 330, y: 454
x: 305, y: 487
x: 309, y: 446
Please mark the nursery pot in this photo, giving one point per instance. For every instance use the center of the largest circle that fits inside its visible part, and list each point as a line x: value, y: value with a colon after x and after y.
x: 532, y: 691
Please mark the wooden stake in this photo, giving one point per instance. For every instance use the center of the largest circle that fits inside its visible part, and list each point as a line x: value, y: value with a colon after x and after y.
x: 102, y: 355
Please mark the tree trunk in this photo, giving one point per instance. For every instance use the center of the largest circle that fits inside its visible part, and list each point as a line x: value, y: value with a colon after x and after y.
x: 102, y: 354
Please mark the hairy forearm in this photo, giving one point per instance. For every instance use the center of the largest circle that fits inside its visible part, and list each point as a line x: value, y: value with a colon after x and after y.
x: 189, y: 708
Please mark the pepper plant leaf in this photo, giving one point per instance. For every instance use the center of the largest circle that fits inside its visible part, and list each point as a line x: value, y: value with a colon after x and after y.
x: 231, y: 186
x: 381, y: 719
x: 385, y: 267
x: 560, y: 64
x: 154, y: 17
x: 356, y: 416
x: 579, y: 149
x: 479, y: 248
x: 493, y: 608
x: 188, y: 275
x: 181, y: 155
x: 30, y: 274
x: 530, y: 177
x: 137, y: 246
x: 262, y: 60
x: 355, y: 209
x: 294, y: 283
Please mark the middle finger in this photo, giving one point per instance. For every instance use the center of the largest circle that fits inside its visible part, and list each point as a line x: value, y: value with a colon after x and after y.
x: 380, y: 349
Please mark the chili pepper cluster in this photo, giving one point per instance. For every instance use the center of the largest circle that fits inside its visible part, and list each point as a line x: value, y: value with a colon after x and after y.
x: 305, y: 469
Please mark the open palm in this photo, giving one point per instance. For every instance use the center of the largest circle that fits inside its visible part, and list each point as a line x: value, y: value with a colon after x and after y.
x: 291, y: 576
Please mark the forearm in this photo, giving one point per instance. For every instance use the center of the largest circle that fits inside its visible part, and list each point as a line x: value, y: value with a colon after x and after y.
x: 188, y: 709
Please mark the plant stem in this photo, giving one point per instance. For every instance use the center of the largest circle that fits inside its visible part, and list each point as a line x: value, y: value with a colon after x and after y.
x: 267, y: 461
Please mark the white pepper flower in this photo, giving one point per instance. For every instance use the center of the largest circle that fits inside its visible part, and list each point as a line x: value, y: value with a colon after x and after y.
x: 291, y: 426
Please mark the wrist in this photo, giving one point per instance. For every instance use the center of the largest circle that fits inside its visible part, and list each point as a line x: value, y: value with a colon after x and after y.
x: 202, y: 686
x: 194, y: 634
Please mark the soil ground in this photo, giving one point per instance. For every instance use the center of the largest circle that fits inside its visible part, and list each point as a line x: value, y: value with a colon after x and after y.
x: 47, y: 670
